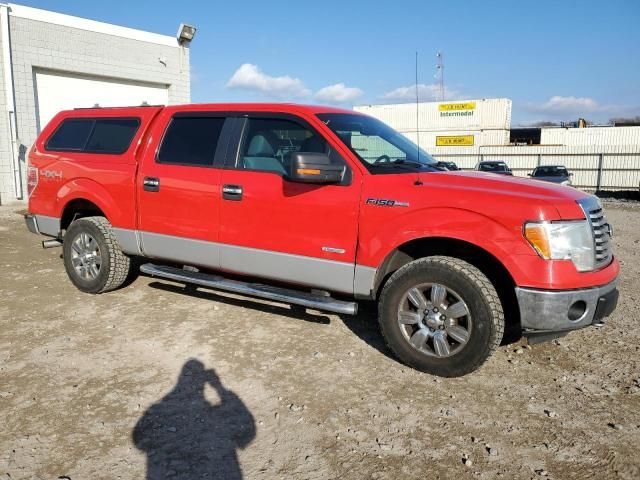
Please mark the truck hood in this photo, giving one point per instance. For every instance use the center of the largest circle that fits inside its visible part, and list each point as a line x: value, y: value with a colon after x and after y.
x: 512, y: 189
x: 505, y: 184
x: 485, y: 193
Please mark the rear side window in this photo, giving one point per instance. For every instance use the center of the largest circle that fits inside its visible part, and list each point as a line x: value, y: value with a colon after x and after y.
x: 72, y: 134
x: 191, y: 141
x: 112, y: 135
x: 94, y: 135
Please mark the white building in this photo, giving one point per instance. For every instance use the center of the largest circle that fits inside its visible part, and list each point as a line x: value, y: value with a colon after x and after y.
x: 50, y: 62
x: 606, y: 135
x: 469, y: 131
x: 441, y: 125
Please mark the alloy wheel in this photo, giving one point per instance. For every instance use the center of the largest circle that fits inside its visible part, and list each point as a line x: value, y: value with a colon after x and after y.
x: 85, y: 256
x: 434, y: 319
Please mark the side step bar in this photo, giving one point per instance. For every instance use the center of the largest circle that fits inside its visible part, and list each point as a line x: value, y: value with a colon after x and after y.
x: 267, y: 292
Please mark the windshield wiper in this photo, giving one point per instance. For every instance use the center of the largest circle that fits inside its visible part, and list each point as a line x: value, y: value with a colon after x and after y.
x: 399, y: 166
x: 404, y: 164
x: 402, y: 161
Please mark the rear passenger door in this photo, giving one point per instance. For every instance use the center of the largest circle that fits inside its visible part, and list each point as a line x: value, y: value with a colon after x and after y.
x: 270, y: 227
x: 179, y: 187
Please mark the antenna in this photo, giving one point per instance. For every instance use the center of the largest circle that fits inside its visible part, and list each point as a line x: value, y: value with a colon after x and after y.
x: 418, y: 180
x: 417, y: 110
x: 440, y: 68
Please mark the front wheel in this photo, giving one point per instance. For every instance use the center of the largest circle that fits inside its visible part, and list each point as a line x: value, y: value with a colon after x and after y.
x: 441, y: 315
x: 92, y: 256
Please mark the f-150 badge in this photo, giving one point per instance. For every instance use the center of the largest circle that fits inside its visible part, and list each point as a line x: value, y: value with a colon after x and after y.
x: 383, y: 202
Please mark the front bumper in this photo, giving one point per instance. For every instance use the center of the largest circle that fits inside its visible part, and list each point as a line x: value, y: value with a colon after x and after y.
x: 562, y: 310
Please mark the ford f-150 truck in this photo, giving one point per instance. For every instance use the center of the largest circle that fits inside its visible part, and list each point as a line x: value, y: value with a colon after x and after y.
x: 324, y: 208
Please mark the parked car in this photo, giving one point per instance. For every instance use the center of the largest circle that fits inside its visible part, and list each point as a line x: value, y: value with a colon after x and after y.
x: 494, y: 167
x: 552, y: 173
x: 452, y: 166
x: 214, y: 194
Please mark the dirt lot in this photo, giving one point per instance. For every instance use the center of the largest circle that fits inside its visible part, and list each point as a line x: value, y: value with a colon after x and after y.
x: 152, y: 380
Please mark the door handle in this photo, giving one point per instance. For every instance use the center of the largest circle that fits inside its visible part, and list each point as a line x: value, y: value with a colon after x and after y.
x: 232, y: 192
x: 151, y: 184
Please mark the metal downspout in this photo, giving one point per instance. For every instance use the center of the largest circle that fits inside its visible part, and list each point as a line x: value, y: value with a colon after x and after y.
x: 10, y: 98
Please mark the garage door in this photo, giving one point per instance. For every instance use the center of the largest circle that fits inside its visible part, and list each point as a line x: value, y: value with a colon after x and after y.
x: 57, y: 91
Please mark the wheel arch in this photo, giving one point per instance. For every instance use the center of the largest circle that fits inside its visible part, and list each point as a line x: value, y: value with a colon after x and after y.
x: 79, y: 208
x: 86, y: 195
x: 477, y: 256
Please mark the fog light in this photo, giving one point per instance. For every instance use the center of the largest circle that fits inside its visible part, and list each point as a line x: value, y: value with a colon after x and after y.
x: 576, y: 311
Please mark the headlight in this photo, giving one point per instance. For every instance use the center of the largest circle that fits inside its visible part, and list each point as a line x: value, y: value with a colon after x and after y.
x: 563, y: 241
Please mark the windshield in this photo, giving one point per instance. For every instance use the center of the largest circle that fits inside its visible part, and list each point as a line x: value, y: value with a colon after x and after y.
x: 379, y: 147
x: 448, y: 165
x: 551, y: 172
x: 493, y: 167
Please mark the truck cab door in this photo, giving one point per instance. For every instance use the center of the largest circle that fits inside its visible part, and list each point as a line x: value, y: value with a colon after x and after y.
x: 178, y: 187
x: 271, y: 227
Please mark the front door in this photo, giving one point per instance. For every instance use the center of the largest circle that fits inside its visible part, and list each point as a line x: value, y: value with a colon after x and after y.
x: 179, y: 188
x: 273, y: 228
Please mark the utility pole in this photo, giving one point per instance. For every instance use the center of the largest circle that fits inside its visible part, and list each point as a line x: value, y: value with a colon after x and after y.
x: 440, y: 71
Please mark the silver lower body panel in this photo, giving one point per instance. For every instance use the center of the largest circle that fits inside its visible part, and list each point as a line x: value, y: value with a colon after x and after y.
x: 336, y: 276
x: 312, y: 272
x: 32, y: 223
x: 42, y: 224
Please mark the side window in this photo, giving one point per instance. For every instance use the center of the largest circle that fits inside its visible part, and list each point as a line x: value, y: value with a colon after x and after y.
x: 269, y: 143
x: 191, y: 141
x: 94, y: 135
x: 112, y: 135
x: 72, y: 135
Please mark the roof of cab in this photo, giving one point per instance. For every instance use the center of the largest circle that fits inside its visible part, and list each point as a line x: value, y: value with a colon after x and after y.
x: 229, y: 107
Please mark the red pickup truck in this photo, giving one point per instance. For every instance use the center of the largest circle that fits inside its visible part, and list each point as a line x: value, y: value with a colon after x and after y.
x: 323, y: 208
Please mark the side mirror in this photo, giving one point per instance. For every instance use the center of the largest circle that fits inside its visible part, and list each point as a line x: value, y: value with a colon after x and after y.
x: 530, y: 174
x: 570, y: 174
x: 307, y: 167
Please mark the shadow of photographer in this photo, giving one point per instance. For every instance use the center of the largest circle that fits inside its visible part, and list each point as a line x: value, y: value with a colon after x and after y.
x: 185, y: 436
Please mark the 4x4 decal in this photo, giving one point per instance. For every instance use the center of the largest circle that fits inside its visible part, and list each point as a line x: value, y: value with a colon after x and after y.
x: 57, y: 174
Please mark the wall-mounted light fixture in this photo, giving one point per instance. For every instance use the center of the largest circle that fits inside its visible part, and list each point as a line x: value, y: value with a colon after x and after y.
x: 185, y: 33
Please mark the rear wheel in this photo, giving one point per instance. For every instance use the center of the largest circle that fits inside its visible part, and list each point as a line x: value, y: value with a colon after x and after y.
x: 441, y: 315
x: 92, y: 256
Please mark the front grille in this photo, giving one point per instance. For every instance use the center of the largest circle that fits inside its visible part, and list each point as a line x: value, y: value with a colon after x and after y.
x: 600, y: 229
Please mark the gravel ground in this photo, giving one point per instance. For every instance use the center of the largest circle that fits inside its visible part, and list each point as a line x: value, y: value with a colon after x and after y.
x: 158, y: 381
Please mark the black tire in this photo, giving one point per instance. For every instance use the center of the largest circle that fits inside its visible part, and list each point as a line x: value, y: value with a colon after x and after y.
x: 485, y: 315
x: 114, y: 266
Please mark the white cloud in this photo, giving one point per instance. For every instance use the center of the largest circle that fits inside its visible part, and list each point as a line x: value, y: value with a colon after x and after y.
x: 567, y: 105
x: 338, y: 93
x: 426, y: 93
x: 563, y: 108
x: 250, y: 77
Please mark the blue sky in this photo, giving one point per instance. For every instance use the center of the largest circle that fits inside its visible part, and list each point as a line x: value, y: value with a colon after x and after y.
x: 556, y: 60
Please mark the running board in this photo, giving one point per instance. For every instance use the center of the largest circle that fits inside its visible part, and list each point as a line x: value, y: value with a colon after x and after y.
x: 267, y: 292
